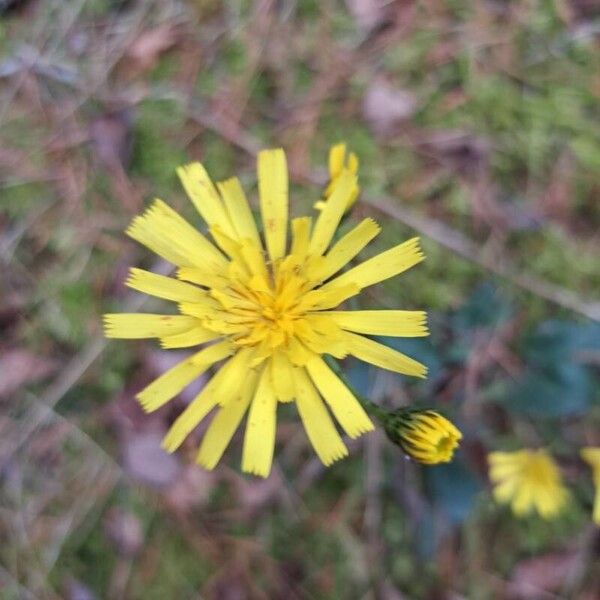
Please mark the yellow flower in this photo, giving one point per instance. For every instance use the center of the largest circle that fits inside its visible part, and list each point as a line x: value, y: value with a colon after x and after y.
x: 592, y: 457
x: 337, y: 165
x: 267, y: 313
x: 424, y: 435
x: 528, y: 479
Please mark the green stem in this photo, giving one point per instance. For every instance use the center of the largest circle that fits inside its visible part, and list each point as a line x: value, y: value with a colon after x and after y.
x: 372, y: 409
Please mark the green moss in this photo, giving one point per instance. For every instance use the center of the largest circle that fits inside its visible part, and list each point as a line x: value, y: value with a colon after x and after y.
x: 551, y: 254
x: 157, y: 153
x: 219, y: 156
x: 90, y: 560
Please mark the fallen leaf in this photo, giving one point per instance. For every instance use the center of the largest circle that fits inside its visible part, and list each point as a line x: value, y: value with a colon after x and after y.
x: 390, y: 592
x: 582, y: 11
x: 111, y: 138
x: 11, y: 311
x: 557, y: 200
x: 20, y: 367
x: 124, y: 530
x: 465, y: 153
x: 384, y: 106
x: 368, y: 14
x: 145, y: 51
x: 538, y: 578
x: 233, y: 581
x: 146, y: 461
x: 191, y: 490
x: 75, y: 590
x: 256, y: 494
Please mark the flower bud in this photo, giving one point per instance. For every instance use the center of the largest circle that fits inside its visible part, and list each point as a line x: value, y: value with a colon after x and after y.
x: 425, y: 435
x: 339, y: 162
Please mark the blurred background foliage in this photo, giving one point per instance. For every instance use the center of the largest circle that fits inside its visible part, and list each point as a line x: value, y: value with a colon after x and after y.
x: 476, y: 124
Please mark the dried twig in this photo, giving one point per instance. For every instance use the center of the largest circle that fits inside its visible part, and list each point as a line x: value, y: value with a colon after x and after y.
x: 499, y: 265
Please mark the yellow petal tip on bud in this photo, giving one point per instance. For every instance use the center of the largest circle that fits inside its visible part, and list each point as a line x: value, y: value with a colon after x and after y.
x: 424, y: 435
x: 339, y: 163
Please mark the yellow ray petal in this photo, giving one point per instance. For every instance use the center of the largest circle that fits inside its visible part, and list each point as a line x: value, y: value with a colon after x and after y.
x: 383, y: 266
x: 170, y: 383
x: 337, y: 154
x: 238, y: 210
x: 193, y: 337
x: 224, y: 424
x: 163, y: 287
x: 169, y: 235
x: 215, y: 391
x: 322, y: 343
x: 505, y: 490
x: 502, y: 470
x: 497, y: 458
x: 345, y: 407
x: 227, y: 301
x: 273, y: 191
x: 204, y: 277
x: 592, y: 456
x: 337, y: 164
x: 202, y: 310
x: 523, y: 499
x: 382, y: 356
x: 330, y: 216
x: 400, y: 323
x: 253, y: 257
x: 300, y: 236
x: 323, y: 299
x: 204, y: 196
x: 352, y: 164
x: 596, y: 509
x: 139, y: 325
x: 550, y: 505
x: 237, y: 370
x: 281, y: 374
x: 345, y: 249
x: 259, y: 441
x: 321, y: 324
x: 297, y: 353
x: 229, y: 245
x: 318, y: 424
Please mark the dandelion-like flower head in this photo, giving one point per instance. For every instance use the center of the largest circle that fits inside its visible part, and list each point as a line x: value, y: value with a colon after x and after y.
x: 528, y: 480
x: 591, y: 455
x: 267, y: 311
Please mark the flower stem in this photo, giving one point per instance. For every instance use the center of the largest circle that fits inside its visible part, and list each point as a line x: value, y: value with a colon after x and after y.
x: 373, y: 409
